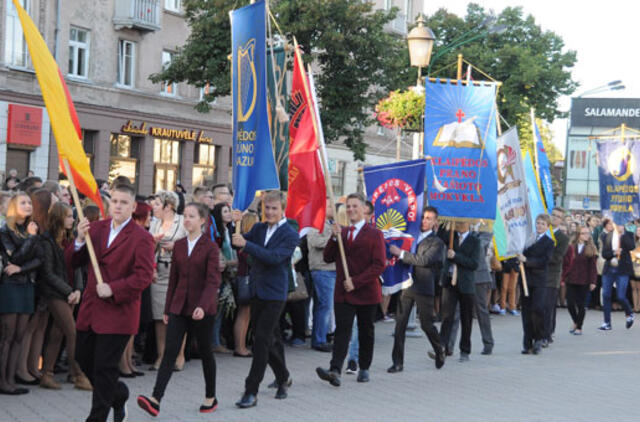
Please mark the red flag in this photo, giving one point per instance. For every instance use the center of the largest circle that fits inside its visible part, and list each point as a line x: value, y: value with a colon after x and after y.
x: 306, y: 199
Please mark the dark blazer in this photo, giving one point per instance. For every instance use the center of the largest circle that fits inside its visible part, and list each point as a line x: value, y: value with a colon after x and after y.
x: 270, y: 264
x: 366, y: 260
x: 627, y: 244
x: 467, y: 259
x: 538, y: 256
x: 582, y: 270
x: 53, y: 277
x: 194, y: 280
x: 427, y: 264
x: 20, y: 251
x: 554, y: 269
x: 127, y: 265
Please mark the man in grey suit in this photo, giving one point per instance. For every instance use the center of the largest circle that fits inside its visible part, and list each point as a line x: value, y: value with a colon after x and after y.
x: 483, y: 279
x: 427, y: 264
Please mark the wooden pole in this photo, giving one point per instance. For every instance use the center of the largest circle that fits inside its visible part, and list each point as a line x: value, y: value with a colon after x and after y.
x: 459, y: 67
x: 325, y: 167
x: 76, y: 201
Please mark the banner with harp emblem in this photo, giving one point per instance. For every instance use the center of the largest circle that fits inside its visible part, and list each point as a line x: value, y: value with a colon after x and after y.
x: 397, y: 194
x: 254, y: 166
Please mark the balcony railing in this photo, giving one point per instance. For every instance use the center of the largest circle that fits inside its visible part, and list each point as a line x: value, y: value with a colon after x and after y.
x: 137, y: 14
x: 398, y: 25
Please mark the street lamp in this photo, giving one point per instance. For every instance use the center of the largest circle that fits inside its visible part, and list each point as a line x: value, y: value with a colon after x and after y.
x: 420, y: 41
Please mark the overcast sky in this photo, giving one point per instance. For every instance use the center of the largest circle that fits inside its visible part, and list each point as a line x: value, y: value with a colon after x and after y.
x: 604, y: 34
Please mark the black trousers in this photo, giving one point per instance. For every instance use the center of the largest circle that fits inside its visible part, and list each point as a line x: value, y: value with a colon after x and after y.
x: 345, y: 312
x: 176, y: 329
x: 268, y: 348
x: 98, y: 356
x: 297, y: 313
x: 576, y: 296
x: 533, y: 316
x: 550, y: 301
x: 451, y: 296
x: 426, y: 315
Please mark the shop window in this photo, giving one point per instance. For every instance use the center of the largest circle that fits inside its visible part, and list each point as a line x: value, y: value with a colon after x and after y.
x: 204, y: 164
x: 126, y: 63
x: 124, y: 158
x: 15, y: 49
x: 78, y: 52
x: 167, y: 88
x: 166, y: 156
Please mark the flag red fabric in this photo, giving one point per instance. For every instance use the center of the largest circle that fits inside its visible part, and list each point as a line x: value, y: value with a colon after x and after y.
x: 306, y: 198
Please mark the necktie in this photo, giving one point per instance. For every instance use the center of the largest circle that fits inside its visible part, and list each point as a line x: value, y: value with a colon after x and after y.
x: 350, y: 237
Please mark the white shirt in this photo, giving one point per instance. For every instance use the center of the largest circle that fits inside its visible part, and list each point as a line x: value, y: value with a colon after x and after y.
x: 272, y: 229
x: 112, y: 234
x: 422, y: 236
x: 580, y: 248
x: 191, y: 244
x: 357, y: 227
x: 462, y: 237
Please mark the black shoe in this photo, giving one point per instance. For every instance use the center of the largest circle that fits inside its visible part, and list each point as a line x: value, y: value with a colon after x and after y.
x: 125, y: 375
x: 120, y: 413
x: 394, y: 368
x: 14, y: 392
x: 209, y: 409
x: 274, y: 384
x: 629, y: 322
x: 148, y: 406
x: 333, y: 377
x: 282, y: 389
x: 138, y: 373
x: 363, y: 375
x: 537, y: 347
x: 487, y: 350
x: 19, y: 380
x: 440, y: 358
x: 464, y: 357
x: 324, y: 347
x: 352, y: 367
x: 247, y: 401
x: 448, y: 352
x: 526, y: 351
x: 545, y: 343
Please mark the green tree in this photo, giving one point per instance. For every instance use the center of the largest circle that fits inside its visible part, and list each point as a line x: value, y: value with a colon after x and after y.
x: 530, y: 62
x: 358, y: 61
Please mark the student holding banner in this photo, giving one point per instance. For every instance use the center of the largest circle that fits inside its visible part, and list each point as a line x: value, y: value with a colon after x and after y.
x: 535, y: 259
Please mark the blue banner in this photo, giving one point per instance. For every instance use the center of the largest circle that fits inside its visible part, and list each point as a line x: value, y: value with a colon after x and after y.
x: 619, y: 179
x: 254, y: 167
x: 544, y: 170
x: 536, y: 204
x: 460, y: 145
x: 397, y: 194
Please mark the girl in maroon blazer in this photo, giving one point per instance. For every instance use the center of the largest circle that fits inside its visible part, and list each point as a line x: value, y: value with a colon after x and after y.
x: 191, y: 303
x: 580, y: 276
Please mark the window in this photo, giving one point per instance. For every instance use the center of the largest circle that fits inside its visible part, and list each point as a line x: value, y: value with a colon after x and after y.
x: 126, y: 63
x: 88, y: 144
x: 204, y: 161
x: 15, y: 52
x: 166, y: 156
x: 124, y: 154
x: 336, y: 168
x: 167, y: 89
x: 172, y: 5
x: 78, y: 52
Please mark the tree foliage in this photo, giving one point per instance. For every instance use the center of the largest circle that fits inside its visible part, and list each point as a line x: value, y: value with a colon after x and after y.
x: 531, y: 63
x: 358, y: 61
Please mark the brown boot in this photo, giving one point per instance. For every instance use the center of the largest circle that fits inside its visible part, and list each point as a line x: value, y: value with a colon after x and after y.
x: 47, y: 381
x: 82, y: 382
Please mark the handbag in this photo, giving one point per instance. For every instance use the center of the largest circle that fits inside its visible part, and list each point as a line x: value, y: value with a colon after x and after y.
x: 300, y: 292
x: 243, y: 286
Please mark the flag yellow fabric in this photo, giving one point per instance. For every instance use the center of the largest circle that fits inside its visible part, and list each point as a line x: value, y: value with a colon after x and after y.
x: 62, y: 115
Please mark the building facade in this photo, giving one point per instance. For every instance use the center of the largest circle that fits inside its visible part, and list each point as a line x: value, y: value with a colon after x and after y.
x: 149, y: 132
x: 591, y: 117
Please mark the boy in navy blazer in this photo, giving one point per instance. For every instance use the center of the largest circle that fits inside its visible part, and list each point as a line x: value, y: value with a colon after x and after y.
x: 270, y: 246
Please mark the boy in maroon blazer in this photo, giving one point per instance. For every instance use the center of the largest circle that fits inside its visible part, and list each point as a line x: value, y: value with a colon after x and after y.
x: 110, y: 312
x: 360, y: 294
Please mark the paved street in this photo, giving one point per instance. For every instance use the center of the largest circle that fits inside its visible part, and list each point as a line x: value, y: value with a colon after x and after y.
x: 594, y: 377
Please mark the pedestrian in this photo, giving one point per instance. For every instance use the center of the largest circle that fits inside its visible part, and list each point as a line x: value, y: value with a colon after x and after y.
x: 427, y: 263
x: 616, y: 249
x: 110, y: 311
x: 59, y: 294
x: 483, y: 280
x: 270, y: 246
x: 20, y: 260
x: 580, y: 276
x: 358, y: 295
x: 535, y: 259
x: 191, y: 305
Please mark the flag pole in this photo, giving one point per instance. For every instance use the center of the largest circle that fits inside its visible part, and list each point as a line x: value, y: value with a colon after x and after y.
x: 76, y: 201
x: 325, y: 167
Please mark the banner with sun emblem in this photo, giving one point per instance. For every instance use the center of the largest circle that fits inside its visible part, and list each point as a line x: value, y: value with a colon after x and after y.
x: 619, y: 179
x: 460, y: 146
x: 397, y: 194
x: 254, y: 166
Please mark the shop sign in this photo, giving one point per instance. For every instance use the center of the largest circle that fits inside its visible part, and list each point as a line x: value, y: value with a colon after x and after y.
x: 142, y: 129
x: 25, y: 125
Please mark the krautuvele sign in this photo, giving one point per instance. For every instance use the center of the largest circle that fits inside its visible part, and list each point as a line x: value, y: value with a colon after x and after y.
x: 605, y: 112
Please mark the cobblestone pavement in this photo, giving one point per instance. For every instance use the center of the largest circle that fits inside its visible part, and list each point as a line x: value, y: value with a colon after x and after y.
x: 594, y: 377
